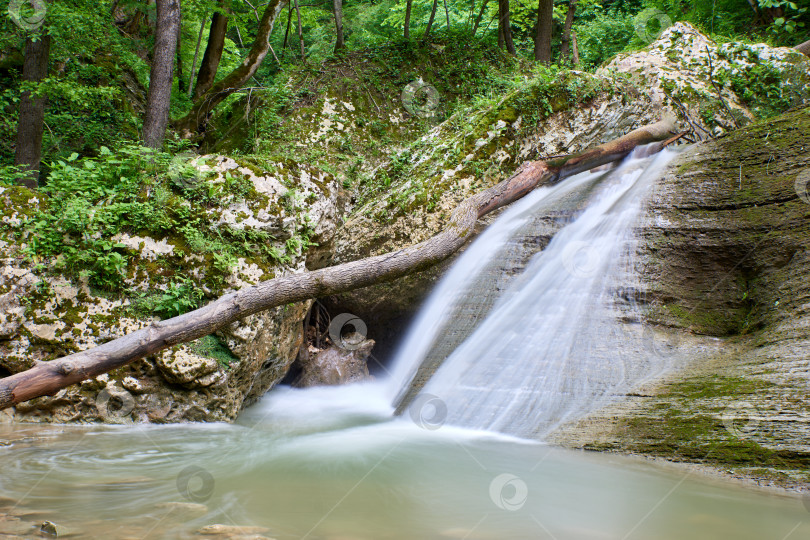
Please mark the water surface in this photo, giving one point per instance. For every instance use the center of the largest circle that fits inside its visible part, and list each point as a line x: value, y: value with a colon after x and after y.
x: 331, y: 464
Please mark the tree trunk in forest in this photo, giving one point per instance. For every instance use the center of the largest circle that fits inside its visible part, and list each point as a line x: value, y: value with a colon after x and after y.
x: 300, y: 31
x: 287, y: 31
x: 46, y: 378
x: 337, y: 8
x: 31, y: 124
x: 804, y: 48
x: 446, y: 14
x: 179, y: 61
x: 407, y: 32
x: 207, y: 101
x: 196, y: 57
x: 212, y: 54
x: 565, y: 44
x: 159, y: 96
x: 479, y: 17
x: 576, y: 47
x: 430, y: 21
x: 505, y: 26
x: 542, y: 37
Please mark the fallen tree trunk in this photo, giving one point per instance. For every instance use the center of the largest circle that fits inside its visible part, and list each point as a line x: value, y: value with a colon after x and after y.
x: 48, y: 377
x: 804, y: 48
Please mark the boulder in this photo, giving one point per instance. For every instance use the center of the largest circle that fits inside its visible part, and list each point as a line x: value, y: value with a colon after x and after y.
x: 337, y: 364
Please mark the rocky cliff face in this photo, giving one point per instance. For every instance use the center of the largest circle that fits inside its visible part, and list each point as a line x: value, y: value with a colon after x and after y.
x: 725, y: 253
x: 714, y: 88
x: 44, y: 316
x: 708, y: 88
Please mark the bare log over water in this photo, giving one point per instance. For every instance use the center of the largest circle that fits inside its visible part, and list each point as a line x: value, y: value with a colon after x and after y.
x: 48, y: 377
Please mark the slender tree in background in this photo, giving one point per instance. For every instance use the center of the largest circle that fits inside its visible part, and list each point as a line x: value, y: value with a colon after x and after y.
x: 408, y: 7
x: 31, y: 123
x: 565, y: 44
x: 159, y: 96
x: 287, y: 31
x: 212, y: 54
x: 542, y: 37
x: 505, y: 26
x: 447, y: 14
x: 300, y: 31
x: 179, y: 50
x: 337, y: 8
x: 479, y: 17
x: 430, y: 21
x: 196, y: 56
x: 206, y: 102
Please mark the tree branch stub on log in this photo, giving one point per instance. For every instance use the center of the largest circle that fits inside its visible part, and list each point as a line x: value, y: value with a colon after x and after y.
x: 47, y: 378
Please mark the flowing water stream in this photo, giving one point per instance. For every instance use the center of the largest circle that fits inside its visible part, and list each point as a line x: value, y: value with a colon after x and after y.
x: 554, y: 345
x: 467, y: 462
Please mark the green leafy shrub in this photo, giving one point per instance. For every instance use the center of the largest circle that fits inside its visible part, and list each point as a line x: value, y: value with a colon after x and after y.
x: 180, y: 297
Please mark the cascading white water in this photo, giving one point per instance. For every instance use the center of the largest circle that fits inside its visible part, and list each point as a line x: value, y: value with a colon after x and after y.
x: 552, y: 348
x: 459, y: 284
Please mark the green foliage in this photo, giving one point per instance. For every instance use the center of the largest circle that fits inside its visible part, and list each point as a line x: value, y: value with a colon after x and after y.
x: 90, y: 65
x: 180, y: 297
x: 89, y: 202
x: 602, y: 33
x: 213, y: 347
x: 788, y: 23
x: 11, y: 174
x: 758, y: 84
x: 139, y: 191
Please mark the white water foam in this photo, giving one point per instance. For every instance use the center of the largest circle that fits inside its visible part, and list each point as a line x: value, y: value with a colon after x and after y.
x: 552, y: 348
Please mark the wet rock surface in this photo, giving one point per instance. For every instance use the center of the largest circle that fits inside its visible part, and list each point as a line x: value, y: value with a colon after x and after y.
x: 725, y: 253
x: 342, y: 363
x: 466, y: 155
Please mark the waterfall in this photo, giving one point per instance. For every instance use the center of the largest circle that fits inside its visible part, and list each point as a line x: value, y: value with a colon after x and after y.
x: 550, y: 341
x: 465, y: 294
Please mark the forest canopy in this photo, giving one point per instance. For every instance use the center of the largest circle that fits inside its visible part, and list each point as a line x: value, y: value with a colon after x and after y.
x: 95, y: 58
